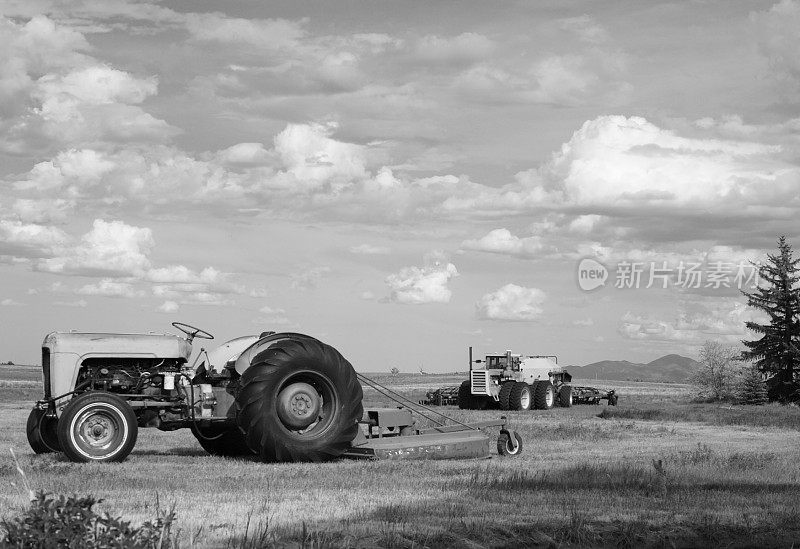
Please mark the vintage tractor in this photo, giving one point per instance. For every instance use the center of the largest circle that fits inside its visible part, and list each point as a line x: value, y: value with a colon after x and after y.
x: 276, y: 396
x: 515, y: 382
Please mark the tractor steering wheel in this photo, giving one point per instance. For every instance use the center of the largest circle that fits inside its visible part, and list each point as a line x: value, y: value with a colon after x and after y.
x: 192, y: 332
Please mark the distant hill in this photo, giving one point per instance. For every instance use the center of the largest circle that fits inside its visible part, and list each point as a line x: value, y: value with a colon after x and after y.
x: 671, y: 368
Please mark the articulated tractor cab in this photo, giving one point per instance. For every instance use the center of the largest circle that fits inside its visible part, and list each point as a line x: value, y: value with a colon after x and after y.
x: 515, y: 382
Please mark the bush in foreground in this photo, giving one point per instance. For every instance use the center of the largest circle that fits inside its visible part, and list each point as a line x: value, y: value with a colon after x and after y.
x: 61, y: 521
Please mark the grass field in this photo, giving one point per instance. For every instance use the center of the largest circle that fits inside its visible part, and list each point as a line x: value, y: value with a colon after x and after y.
x: 731, y: 478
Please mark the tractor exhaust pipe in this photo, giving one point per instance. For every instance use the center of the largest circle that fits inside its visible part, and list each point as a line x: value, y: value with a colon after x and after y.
x: 470, y: 358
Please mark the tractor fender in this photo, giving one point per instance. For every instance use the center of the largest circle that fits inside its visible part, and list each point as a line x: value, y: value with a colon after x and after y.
x: 264, y: 341
x: 228, y: 352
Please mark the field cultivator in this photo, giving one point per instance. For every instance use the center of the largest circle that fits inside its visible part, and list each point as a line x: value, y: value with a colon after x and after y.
x: 443, y: 396
x: 592, y: 395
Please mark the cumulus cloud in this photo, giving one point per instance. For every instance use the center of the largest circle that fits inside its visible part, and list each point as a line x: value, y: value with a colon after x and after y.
x: 309, y: 278
x: 8, y: 302
x: 273, y: 316
x: 427, y: 284
x: 110, y: 248
x: 29, y: 240
x: 511, y: 302
x: 696, y: 320
x: 110, y: 288
x: 779, y: 41
x: 463, y: 48
x: 502, y: 241
x: 369, y: 249
x: 168, y: 307
x: 63, y: 96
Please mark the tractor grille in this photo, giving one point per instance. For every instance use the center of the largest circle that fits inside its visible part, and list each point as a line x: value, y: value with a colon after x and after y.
x: 46, y: 371
x: 480, y: 382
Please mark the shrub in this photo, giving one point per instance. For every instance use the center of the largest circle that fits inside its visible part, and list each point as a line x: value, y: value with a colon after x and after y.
x: 61, y: 521
x: 752, y: 389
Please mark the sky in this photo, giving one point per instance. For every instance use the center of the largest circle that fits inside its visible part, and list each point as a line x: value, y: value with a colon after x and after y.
x: 402, y: 180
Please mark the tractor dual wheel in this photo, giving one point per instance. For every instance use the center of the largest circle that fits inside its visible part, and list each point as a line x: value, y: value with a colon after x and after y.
x: 520, y: 397
x: 41, y: 431
x: 300, y: 400
x: 565, y: 396
x: 98, y: 427
x: 505, y: 395
x: 227, y: 441
x: 543, y: 395
x: 509, y: 443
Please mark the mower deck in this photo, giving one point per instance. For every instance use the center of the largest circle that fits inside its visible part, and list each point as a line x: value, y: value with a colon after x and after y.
x: 389, y: 433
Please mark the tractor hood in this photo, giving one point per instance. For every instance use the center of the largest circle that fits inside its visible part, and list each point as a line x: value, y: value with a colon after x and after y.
x: 120, y: 345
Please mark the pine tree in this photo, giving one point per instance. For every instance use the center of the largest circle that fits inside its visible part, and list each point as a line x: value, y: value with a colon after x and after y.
x: 778, y: 295
x: 752, y: 389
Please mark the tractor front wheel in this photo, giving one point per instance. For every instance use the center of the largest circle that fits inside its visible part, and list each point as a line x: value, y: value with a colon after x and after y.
x: 465, y: 400
x: 565, y: 396
x: 98, y: 427
x: 544, y: 395
x: 299, y: 400
x: 41, y: 430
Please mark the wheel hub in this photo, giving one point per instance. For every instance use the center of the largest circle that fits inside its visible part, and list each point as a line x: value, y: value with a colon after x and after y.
x: 97, y: 430
x: 299, y: 405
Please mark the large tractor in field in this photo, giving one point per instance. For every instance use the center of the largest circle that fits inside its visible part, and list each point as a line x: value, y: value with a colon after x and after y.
x: 515, y: 382
x: 280, y: 397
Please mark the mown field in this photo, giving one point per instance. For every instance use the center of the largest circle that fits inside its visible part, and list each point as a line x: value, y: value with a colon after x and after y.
x: 586, y: 478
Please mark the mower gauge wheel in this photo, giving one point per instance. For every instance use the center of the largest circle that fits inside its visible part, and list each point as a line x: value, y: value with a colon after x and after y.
x: 509, y: 443
x: 191, y: 331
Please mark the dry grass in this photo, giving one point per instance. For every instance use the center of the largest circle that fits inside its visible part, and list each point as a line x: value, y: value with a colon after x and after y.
x: 581, y: 481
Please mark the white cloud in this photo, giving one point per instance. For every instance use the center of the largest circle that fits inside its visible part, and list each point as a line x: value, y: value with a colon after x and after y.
x: 110, y: 249
x: 696, y: 321
x: 583, y: 322
x: 369, y: 249
x: 312, y: 158
x: 511, y: 302
x: 501, y: 241
x: 110, y: 288
x: 779, y: 41
x: 24, y: 240
x: 273, y: 316
x: 621, y: 162
x: 309, y: 278
x: 463, y: 48
x: 428, y: 284
x: 81, y: 303
x: 8, y: 302
x: 168, y: 307
x: 266, y: 34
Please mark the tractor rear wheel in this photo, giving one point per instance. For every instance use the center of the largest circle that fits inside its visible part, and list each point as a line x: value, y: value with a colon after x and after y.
x: 505, y: 395
x: 520, y: 398
x: 41, y: 430
x: 465, y: 400
x: 565, y: 396
x: 543, y: 395
x: 299, y: 400
x: 97, y: 426
x: 225, y: 440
